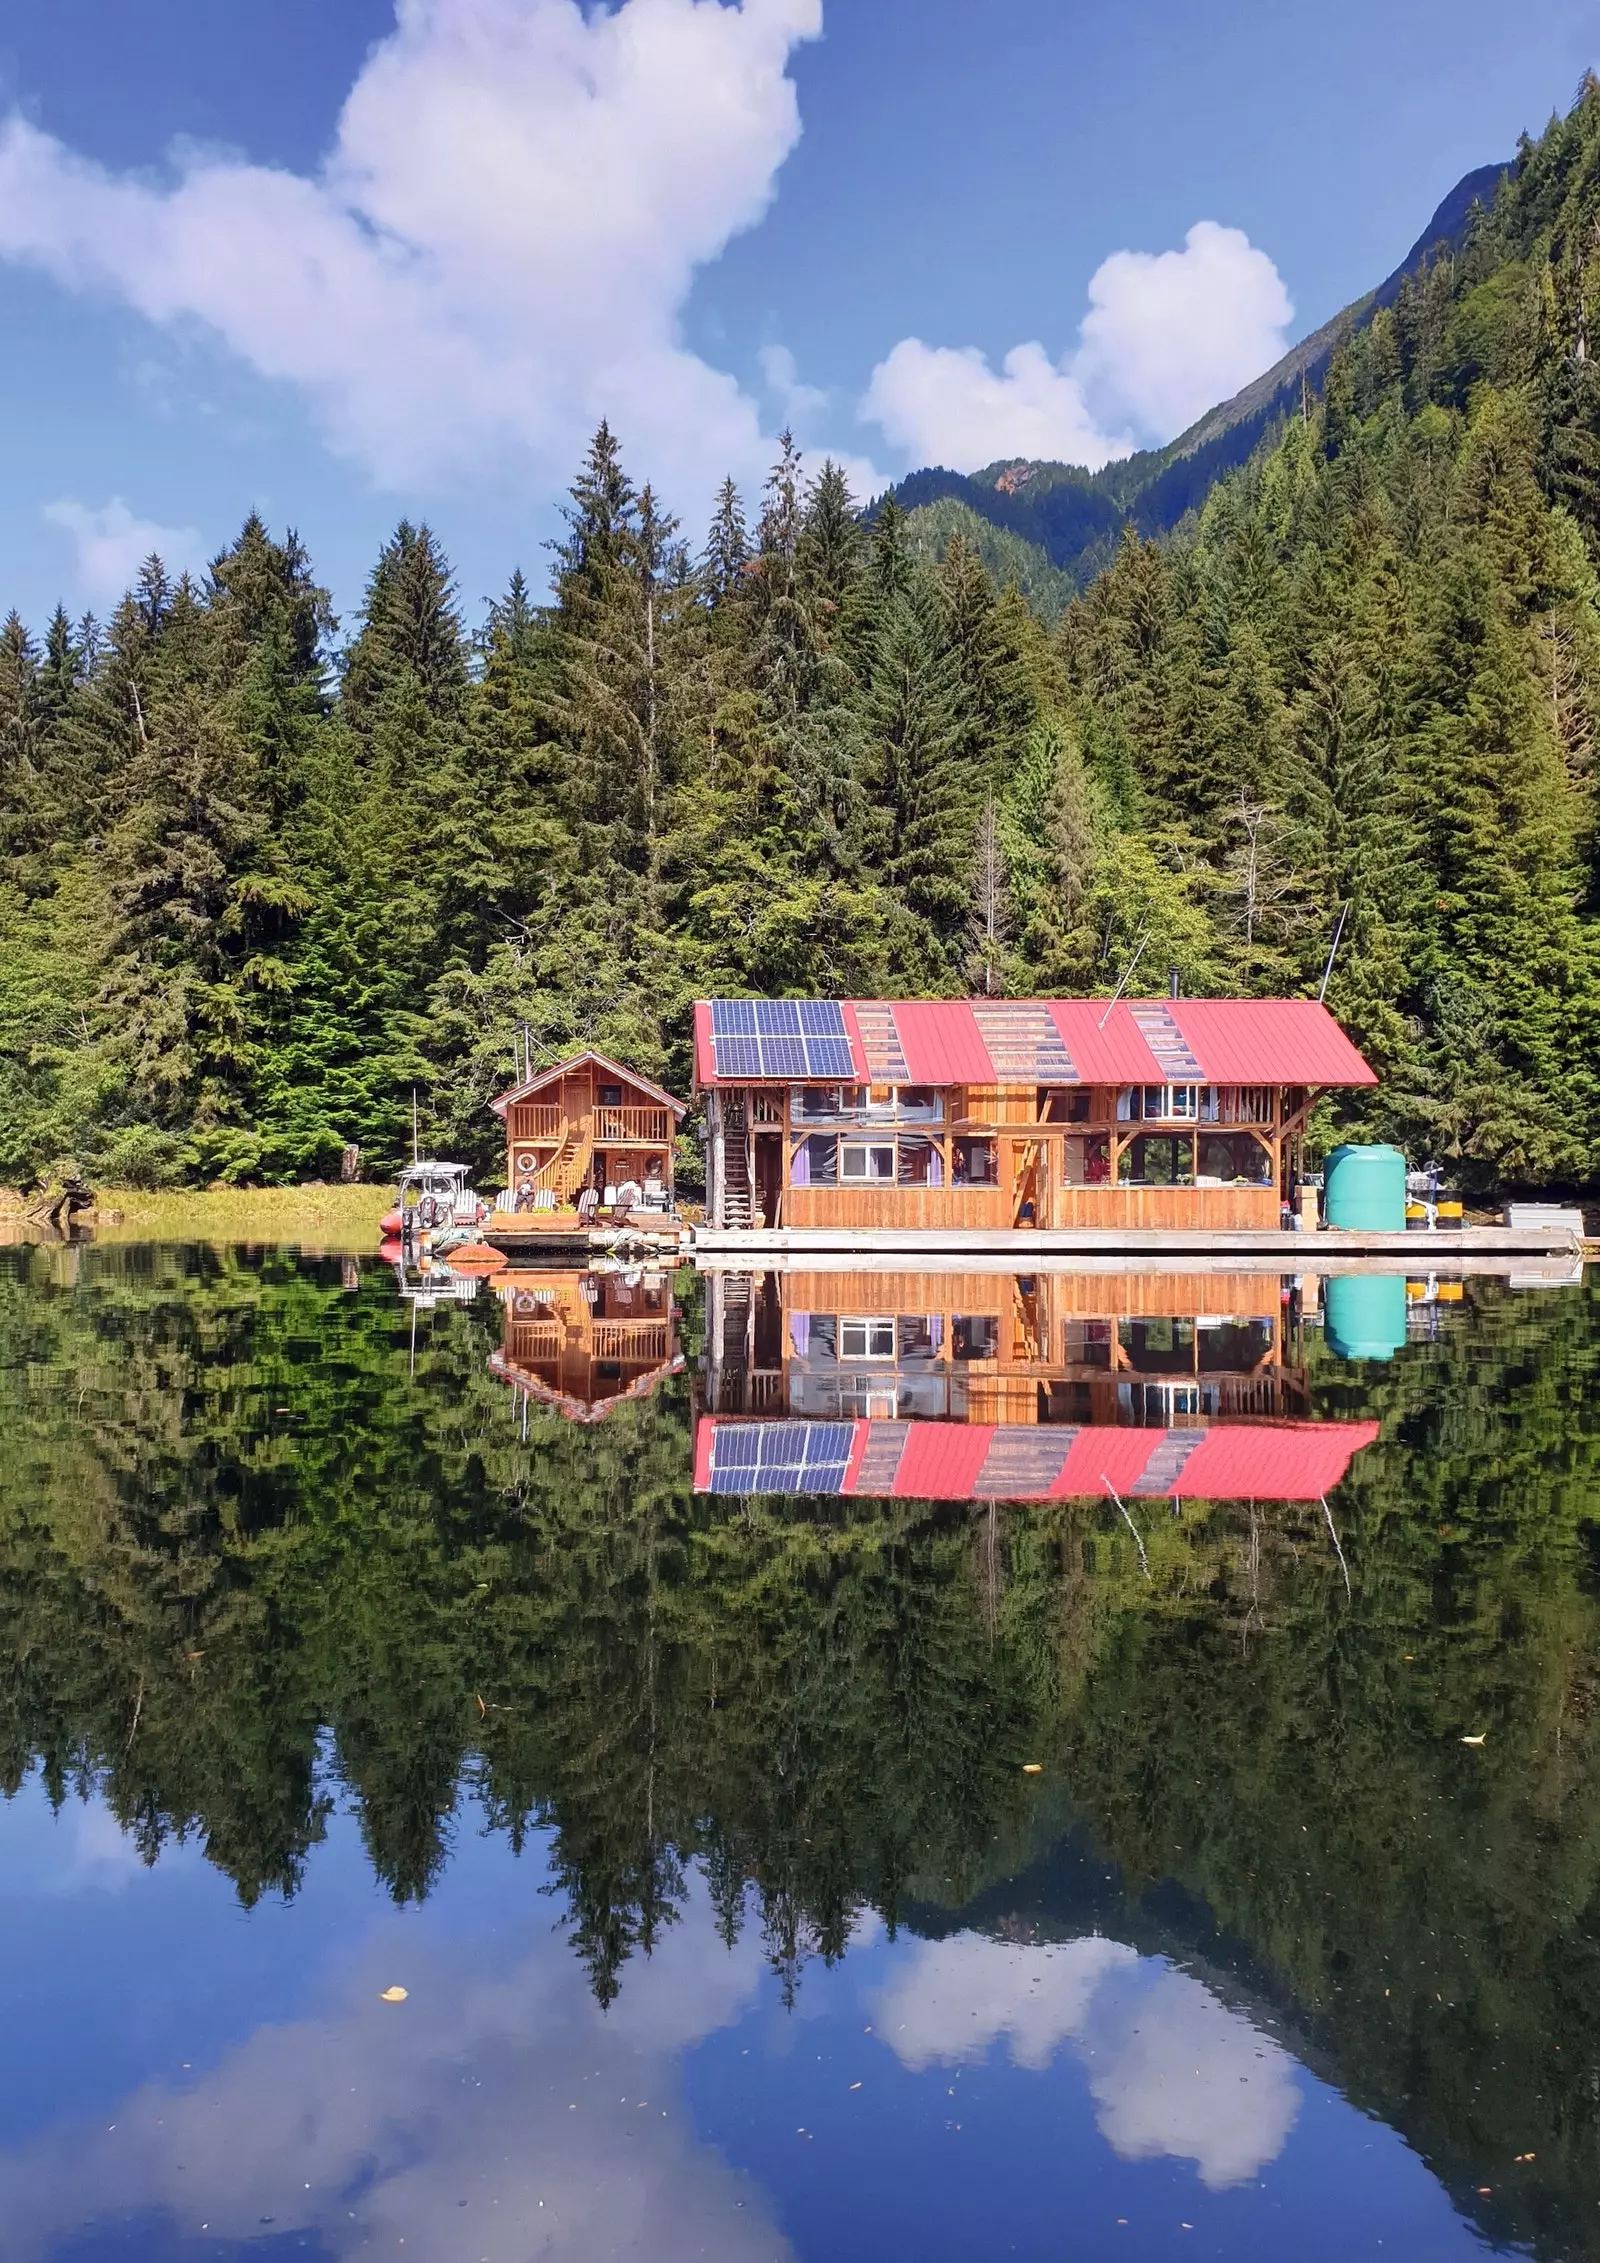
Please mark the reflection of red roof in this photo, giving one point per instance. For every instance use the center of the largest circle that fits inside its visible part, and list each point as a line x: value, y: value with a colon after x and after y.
x: 951, y: 1461
x: 1135, y: 1041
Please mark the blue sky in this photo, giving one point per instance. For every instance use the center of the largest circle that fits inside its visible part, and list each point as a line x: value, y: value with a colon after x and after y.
x: 920, y: 229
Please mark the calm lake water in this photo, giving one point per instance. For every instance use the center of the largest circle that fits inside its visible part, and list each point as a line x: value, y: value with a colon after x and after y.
x: 807, y: 1818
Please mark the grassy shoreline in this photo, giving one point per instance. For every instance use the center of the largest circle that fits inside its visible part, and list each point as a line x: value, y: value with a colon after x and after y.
x: 341, y: 1220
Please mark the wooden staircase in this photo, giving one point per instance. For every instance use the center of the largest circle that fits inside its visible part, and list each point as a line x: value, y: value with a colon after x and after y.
x: 567, y: 1168
x: 736, y: 1196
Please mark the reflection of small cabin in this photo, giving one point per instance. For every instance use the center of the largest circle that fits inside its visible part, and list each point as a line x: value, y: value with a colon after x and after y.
x: 583, y: 1341
x: 1012, y: 1348
x: 1006, y: 1113
x: 588, y: 1123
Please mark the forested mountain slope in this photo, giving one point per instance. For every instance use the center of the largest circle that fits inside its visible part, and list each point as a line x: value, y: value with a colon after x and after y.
x: 258, y: 882
x: 1074, y: 517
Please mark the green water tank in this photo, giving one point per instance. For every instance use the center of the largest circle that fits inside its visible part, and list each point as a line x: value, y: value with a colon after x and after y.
x: 1365, y: 1188
x: 1364, y: 1315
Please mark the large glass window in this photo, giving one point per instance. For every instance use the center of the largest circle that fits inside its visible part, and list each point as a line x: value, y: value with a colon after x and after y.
x: 866, y: 1339
x: 866, y: 1162
x: 1158, y: 1159
x: 1233, y: 1159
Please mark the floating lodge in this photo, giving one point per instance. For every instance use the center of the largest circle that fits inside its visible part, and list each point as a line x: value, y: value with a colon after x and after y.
x: 1002, y: 1115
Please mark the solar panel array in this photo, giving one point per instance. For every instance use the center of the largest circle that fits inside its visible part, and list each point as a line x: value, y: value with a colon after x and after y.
x: 780, y: 1457
x: 802, y: 1039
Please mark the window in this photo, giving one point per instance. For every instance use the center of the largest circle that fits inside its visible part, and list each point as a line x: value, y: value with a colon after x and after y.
x: 859, y: 1163
x: 1087, y: 1343
x: 921, y: 1164
x: 1086, y: 1159
x: 973, y: 1162
x: 815, y: 1103
x: 919, y: 1104
x: 1234, y: 1159
x: 974, y: 1336
x: 866, y: 1339
x: 611, y: 1096
x: 1158, y: 1104
x: 1159, y: 1159
x: 1065, y: 1104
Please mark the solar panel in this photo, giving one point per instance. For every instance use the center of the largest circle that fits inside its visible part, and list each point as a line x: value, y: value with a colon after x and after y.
x: 821, y: 1017
x: 736, y: 1056
x: 733, y: 1017
x: 780, y: 1457
x: 829, y: 1060
x: 778, y: 1017
x: 783, y: 1057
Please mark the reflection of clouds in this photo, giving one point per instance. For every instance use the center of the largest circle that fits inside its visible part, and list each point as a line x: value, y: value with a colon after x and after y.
x: 1171, y: 2069
x: 494, y: 2115
x: 82, y: 1849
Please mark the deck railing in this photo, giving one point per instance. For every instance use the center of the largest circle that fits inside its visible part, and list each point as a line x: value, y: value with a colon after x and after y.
x: 631, y: 1339
x: 536, y: 1119
x: 630, y: 1127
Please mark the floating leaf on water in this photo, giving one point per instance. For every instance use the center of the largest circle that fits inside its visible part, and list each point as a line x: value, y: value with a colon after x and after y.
x: 1472, y: 1740
x: 1033, y: 1767
x: 393, y: 1996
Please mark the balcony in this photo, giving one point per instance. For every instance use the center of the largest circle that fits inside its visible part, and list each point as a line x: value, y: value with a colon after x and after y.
x: 631, y: 1127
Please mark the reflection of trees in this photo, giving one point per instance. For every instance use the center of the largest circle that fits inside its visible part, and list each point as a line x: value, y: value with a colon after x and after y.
x: 226, y: 1615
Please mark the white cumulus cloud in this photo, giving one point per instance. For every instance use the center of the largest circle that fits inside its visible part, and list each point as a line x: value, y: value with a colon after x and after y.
x: 1172, y: 2070
x: 497, y: 249
x: 110, y: 544
x: 1166, y: 336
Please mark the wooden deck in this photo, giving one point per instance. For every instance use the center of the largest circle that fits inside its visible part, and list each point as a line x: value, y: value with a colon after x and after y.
x: 527, y: 1233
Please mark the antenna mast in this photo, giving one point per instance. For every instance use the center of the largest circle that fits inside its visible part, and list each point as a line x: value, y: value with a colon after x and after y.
x: 1127, y: 977
x: 1344, y: 913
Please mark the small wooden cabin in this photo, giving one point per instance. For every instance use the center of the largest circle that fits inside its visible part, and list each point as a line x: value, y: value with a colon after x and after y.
x: 998, y: 1114
x: 588, y: 1122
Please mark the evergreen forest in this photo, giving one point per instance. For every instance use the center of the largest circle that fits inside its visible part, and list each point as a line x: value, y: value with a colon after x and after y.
x: 265, y: 873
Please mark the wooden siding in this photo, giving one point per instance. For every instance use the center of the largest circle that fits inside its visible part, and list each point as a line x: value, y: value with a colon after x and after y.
x: 1164, y: 1209
x: 916, y: 1209
x: 1094, y: 1296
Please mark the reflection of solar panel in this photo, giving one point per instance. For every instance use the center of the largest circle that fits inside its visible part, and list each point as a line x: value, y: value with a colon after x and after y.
x: 781, y: 1037
x: 780, y: 1457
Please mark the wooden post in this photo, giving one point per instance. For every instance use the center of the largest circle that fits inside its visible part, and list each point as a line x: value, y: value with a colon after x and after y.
x: 715, y: 1160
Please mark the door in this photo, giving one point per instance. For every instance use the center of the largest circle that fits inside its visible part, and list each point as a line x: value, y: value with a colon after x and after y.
x: 769, y: 1175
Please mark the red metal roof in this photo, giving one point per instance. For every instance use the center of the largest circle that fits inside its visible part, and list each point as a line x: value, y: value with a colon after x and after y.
x: 1268, y: 1041
x: 942, y: 1043
x: 1105, y: 1457
x: 1233, y: 1040
x: 705, y: 1061
x: 1116, y: 1054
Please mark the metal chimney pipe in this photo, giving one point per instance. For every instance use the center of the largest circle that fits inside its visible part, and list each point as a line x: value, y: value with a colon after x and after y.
x: 1172, y: 982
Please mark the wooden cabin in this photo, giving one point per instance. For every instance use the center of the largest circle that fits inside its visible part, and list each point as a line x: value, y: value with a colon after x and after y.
x: 584, y: 1340
x: 587, y: 1123
x: 1020, y: 1349
x: 998, y: 1114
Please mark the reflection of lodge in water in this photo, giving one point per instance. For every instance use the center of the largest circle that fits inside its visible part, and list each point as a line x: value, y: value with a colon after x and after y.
x: 864, y: 1382
x: 583, y: 1341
